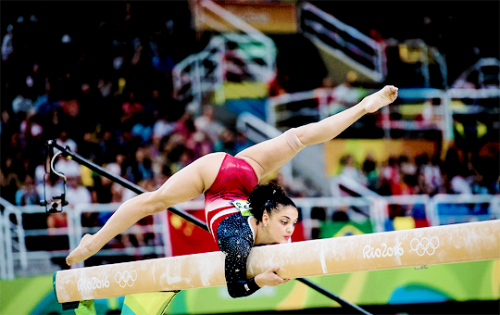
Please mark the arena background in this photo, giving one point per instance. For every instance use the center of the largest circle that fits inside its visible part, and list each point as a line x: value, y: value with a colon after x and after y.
x: 114, y: 81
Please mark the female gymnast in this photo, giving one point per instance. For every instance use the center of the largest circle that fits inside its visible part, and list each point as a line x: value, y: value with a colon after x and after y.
x: 240, y: 213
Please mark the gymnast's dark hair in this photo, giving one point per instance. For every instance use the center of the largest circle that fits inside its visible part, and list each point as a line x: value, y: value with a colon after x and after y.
x: 268, y: 197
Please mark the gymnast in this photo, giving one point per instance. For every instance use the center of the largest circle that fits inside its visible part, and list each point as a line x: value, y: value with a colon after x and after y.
x: 240, y: 213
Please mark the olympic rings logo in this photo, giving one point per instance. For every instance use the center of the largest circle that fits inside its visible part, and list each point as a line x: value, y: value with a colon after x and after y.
x: 425, y: 245
x: 126, y: 278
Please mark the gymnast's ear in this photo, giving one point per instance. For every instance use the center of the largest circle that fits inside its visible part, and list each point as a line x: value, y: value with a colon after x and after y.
x: 265, y: 218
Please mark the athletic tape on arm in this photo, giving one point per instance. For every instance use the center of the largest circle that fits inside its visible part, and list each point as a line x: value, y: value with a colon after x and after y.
x: 293, y: 140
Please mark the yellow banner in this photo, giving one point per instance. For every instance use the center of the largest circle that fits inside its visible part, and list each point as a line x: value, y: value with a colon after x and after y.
x: 380, y: 149
x: 267, y: 17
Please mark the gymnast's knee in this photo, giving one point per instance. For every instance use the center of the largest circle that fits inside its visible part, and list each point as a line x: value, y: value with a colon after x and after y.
x: 292, y: 140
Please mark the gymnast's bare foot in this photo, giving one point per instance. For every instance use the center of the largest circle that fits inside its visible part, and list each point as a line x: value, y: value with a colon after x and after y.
x: 381, y: 98
x: 85, y: 249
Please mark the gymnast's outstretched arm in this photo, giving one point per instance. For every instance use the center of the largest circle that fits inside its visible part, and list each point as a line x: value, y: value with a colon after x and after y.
x: 268, y: 156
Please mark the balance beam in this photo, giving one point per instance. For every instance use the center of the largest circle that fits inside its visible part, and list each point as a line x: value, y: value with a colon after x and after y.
x: 408, y: 248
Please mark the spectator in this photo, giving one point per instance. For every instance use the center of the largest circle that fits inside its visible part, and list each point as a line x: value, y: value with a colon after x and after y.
x: 89, y: 148
x: 105, y: 86
x: 351, y: 171
x: 156, y: 103
x: 30, y: 130
x: 7, y: 47
x: 185, y: 126
x: 390, y: 177
x: 76, y: 193
x: 370, y: 172
x: 179, y: 157
x: 407, y: 167
x: 130, y: 108
x: 144, y: 127
x: 17, y: 147
x: 241, y: 142
x: 459, y: 185
x: 109, y: 145
x: 162, y: 176
x: 21, y: 103
x: 346, y: 94
x: 199, y: 144
x: 421, y: 186
x: 9, y: 179
x: 162, y: 61
x: 142, y: 166
x: 67, y: 167
x: 27, y: 194
x: 41, y: 170
x: 162, y: 128
x: 65, y: 141
x: 432, y: 173
x: 226, y: 142
x: 8, y: 125
x: 208, y: 124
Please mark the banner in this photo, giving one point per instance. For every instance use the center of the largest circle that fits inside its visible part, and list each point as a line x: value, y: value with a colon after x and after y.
x: 337, y: 229
x: 188, y: 239
x: 268, y: 17
x: 381, y: 149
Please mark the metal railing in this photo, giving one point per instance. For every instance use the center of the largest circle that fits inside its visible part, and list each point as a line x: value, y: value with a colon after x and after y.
x: 3, y: 258
x: 345, y: 42
x: 14, y: 237
x: 207, y: 70
x: 422, y: 102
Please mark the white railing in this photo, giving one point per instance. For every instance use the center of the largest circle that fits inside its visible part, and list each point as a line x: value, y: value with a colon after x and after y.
x: 477, y: 200
x: 239, y: 25
x: 376, y: 211
x: 464, y: 81
x: 14, y: 236
x: 206, y: 71
x: 192, y: 77
x: 327, y: 105
x: 3, y: 258
x: 344, y: 41
x: 78, y: 230
x: 435, y: 116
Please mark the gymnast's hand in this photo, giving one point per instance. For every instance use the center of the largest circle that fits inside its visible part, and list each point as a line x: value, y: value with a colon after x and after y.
x: 270, y: 278
x: 380, y: 99
x: 85, y: 249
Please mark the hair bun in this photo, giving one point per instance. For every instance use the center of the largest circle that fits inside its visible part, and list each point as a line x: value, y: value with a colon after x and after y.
x: 267, y: 197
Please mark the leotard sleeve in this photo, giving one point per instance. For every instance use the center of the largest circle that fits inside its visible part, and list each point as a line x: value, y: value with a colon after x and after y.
x: 235, y: 240
x: 237, y: 250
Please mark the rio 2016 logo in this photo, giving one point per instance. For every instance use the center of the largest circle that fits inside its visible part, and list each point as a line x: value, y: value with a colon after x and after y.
x: 92, y: 284
x: 382, y: 251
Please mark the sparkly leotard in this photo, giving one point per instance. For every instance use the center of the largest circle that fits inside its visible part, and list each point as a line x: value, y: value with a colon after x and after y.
x: 229, y: 226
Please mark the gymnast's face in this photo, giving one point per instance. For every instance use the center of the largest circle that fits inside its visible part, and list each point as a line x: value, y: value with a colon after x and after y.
x: 280, y: 223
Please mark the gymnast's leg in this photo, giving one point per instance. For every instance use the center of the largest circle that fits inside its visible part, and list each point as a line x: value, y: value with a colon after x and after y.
x: 270, y: 155
x: 186, y: 184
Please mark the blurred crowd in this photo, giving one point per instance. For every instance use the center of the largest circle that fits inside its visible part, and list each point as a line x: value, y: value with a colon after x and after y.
x: 424, y: 174
x: 99, y: 82
x: 102, y: 86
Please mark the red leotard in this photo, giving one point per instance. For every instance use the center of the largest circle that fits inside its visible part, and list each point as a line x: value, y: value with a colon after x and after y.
x: 235, y: 180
